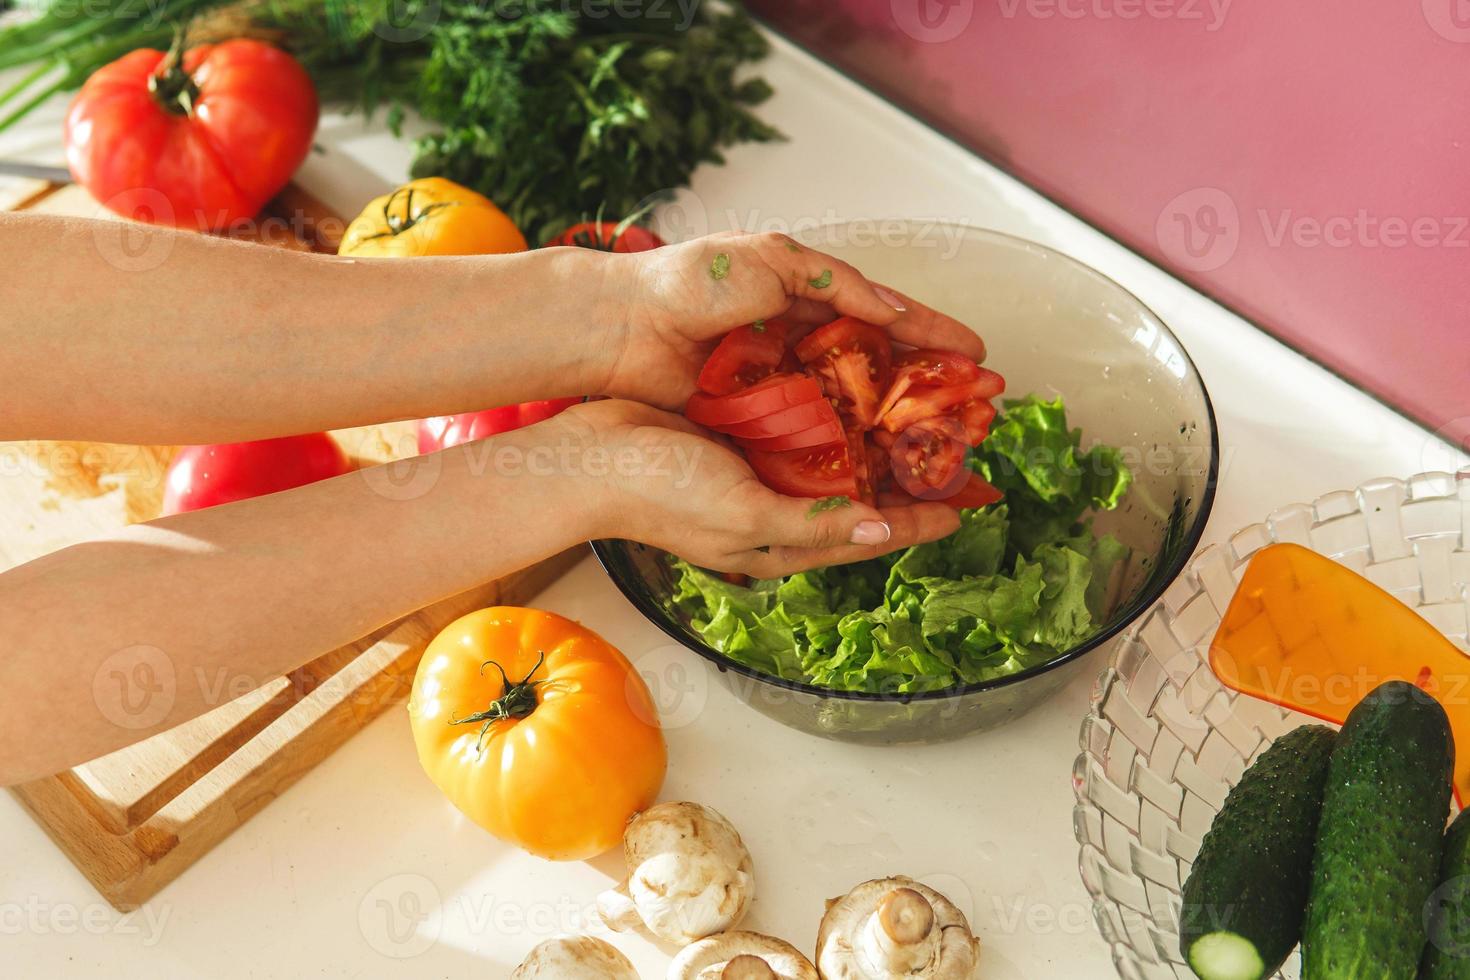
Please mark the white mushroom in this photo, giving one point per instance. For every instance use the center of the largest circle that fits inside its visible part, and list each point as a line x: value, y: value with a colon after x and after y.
x: 575, y: 958
x: 689, y: 875
x: 741, y: 956
x: 895, y: 927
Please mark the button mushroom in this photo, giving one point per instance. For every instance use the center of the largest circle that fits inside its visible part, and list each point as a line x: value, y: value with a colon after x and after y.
x: 689, y: 875
x: 895, y: 927
x: 741, y: 956
x: 575, y: 958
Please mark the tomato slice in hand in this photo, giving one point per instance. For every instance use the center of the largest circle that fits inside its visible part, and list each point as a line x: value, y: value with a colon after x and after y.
x: 765, y: 397
x: 976, y: 492
x: 823, y: 434
x: 928, y: 458
x: 825, y: 471
x: 923, y: 402
x: 927, y: 367
x: 976, y: 417
x: 853, y: 359
x: 797, y: 418
x: 744, y: 356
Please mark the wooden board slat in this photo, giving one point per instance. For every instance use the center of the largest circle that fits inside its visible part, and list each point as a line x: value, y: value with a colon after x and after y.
x: 134, y: 820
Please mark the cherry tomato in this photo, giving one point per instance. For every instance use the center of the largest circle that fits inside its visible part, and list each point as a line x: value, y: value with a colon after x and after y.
x: 928, y: 458
x: 603, y: 236
x: 819, y: 435
x: 923, y: 402
x: 538, y: 730
x: 202, y: 143
x: 825, y: 471
x: 445, y: 431
x: 769, y: 395
x: 744, y: 356
x: 204, y: 476
x: 852, y: 359
x: 797, y: 418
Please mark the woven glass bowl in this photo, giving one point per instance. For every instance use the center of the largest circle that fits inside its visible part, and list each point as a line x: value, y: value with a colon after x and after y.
x: 1165, y: 741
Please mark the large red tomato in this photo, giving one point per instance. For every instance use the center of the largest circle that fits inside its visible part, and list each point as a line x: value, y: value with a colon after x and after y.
x: 201, y: 144
x: 203, y: 476
x: 445, y: 431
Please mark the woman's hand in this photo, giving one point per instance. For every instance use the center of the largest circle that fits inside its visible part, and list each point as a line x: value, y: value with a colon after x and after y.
x: 684, y: 297
x: 658, y: 480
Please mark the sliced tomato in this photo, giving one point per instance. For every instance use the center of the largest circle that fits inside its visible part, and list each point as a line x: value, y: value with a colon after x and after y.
x: 797, y: 418
x: 976, y: 492
x: 869, y: 464
x: 818, y: 435
x: 928, y: 458
x: 822, y: 472
x: 927, y: 367
x: 852, y: 358
x: 744, y: 356
x: 769, y: 395
x: 976, y: 417
x: 924, y: 402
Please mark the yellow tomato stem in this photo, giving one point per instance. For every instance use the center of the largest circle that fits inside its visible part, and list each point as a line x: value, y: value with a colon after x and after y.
x: 517, y: 700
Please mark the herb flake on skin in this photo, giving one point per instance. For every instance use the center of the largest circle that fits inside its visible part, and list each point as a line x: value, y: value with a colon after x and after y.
x: 759, y: 326
x: 828, y: 503
x: 793, y: 247
x: 720, y: 267
x: 822, y: 281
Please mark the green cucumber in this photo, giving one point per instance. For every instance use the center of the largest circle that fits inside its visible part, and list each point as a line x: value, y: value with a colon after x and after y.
x: 1447, y: 955
x: 1380, y: 838
x: 1241, y: 909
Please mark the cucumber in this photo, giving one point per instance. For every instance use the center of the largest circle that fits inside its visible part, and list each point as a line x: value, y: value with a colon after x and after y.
x: 1380, y: 838
x: 1447, y: 956
x: 1241, y: 911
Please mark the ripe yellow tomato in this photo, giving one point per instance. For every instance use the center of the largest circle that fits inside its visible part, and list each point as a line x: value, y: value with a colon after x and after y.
x: 431, y: 216
x: 538, y: 729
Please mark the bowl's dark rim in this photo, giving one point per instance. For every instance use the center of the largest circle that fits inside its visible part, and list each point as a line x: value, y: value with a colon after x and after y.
x: 1130, y: 613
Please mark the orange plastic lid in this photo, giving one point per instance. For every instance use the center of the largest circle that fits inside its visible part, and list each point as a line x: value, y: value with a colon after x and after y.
x: 1309, y: 634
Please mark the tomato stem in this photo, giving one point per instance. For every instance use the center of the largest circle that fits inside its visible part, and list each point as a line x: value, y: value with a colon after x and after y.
x: 170, y: 84
x: 517, y: 700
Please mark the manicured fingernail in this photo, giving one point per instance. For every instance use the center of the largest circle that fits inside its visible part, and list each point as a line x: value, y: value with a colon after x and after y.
x: 891, y: 299
x: 871, y: 532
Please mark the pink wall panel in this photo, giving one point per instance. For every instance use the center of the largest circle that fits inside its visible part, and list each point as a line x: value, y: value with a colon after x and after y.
x: 1307, y: 162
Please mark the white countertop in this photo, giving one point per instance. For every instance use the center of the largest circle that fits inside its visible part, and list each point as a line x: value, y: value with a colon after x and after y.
x: 363, y: 862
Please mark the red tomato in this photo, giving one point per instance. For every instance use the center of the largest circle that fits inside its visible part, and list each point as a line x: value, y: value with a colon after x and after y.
x: 744, y: 356
x: 445, y: 431
x: 924, y: 402
x: 975, y: 493
x: 204, y: 144
x: 772, y: 394
x: 852, y: 360
x: 927, y: 367
x: 976, y: 417
x: 928, y: 458
x: 819, y: 435
x: 822, y: 472
x: 603, y: 236
x: 203, y: 476
x: 797, y: 418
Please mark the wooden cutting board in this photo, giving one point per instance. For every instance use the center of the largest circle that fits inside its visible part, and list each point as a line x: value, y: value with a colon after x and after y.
x: 132, y: 821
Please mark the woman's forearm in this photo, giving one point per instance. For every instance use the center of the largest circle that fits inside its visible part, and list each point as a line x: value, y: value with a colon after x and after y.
x: 109, y: 641
x: 158, y: 344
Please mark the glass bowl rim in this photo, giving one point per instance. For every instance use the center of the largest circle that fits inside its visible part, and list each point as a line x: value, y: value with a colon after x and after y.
x: 1162, y: 578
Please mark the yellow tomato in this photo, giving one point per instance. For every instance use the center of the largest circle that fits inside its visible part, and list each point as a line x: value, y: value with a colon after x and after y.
x: 431, y: 216
x: 538, y: 729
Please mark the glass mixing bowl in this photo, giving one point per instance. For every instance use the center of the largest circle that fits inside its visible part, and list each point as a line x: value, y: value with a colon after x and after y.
x: 1055, y: 327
